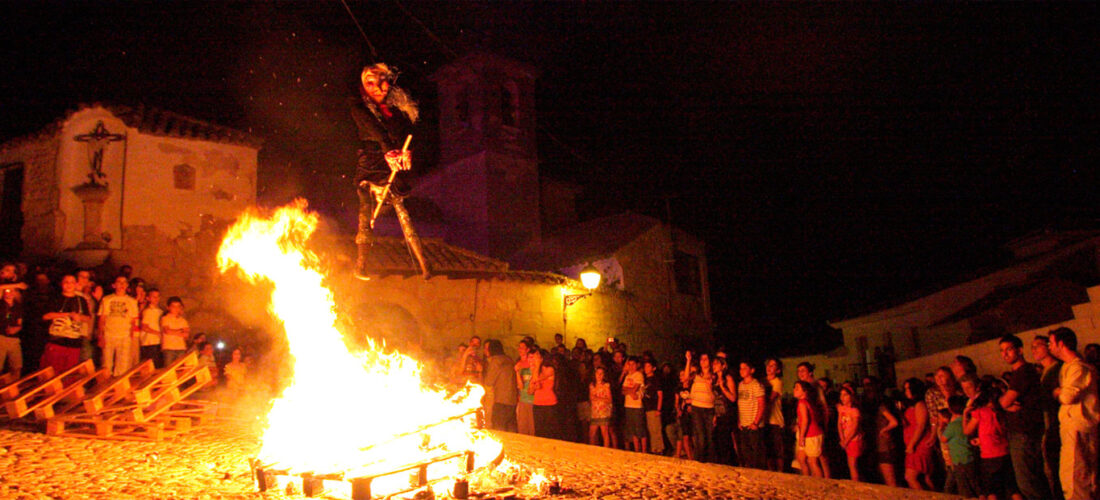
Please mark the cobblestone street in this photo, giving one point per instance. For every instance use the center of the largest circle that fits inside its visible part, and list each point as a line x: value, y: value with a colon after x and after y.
x: 211, y: 462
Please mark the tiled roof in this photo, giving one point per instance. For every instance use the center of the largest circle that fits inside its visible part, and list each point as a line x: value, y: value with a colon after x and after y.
x: 389, y: 256
x: 587, y: 241
x: 151, y: 121
x: 154, y: 121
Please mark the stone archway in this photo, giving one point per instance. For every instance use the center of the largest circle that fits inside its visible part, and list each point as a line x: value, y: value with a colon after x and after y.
x: 384, y: 321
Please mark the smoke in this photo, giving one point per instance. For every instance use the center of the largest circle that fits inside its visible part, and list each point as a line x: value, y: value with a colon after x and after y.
x: 293, y: 82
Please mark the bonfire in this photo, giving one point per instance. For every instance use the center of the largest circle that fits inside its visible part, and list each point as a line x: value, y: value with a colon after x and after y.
x: 346, y: 415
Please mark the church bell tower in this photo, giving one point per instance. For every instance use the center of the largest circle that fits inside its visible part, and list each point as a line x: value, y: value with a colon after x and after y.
x: 488, y: 188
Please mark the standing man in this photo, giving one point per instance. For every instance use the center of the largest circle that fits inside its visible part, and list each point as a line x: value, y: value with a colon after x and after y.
x: 1052, y: 443
x: 67, y: 316
x: 92, y: 294
x: 149, y: 336
x: 118, y: 317
x: 499, y: 380
x: 1078, y: 418
x: 634, y: 423
x: 174, y: 331
x: 751, y: 404
x: 1024, y: 420
x: 652, y: 401
x: 384, y: 115
x: 36, y: 302
x: 11, y: 326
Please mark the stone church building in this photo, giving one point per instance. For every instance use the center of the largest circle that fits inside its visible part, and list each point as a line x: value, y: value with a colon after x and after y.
x: 154, y: 190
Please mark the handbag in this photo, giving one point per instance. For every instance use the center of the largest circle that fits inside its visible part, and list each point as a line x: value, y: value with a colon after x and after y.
x: 65, y: 327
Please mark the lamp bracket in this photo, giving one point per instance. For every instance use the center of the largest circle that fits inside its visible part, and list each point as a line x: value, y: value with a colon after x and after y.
x: 573, y: 299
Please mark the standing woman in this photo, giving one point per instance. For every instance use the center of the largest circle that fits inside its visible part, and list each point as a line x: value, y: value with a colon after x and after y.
x: 918, y: 436
x: 809, y: 435
x: 886, y: 442
x: 599, y: 396
x: 546, y: 400
x: 849, y: 429
x: 936, y: 400
x: 725, y: 414
x: 774, y: 436
x: 702, y: 407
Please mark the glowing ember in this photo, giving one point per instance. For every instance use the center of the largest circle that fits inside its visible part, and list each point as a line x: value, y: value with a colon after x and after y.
x: 349, y: 413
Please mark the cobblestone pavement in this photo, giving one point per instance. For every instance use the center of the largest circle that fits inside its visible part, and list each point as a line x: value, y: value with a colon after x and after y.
x: 212, y: 462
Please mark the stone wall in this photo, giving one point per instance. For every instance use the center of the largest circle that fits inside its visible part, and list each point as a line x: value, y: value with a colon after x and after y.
x: 987, y: 355
x: 440, y: 313
x: 41, y: 217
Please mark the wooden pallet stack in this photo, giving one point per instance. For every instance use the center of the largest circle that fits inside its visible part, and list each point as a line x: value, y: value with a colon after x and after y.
x: 142, y: 404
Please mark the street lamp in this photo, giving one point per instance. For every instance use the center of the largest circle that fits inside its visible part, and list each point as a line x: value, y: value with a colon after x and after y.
x: 590, y: 278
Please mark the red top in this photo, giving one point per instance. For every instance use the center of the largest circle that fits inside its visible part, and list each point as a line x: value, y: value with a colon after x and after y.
x: 544, y: 392
x: 991, y: 434
x: 909, y: 419
x: 815, y: 428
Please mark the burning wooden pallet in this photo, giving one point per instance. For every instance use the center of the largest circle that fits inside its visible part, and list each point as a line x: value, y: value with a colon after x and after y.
x: 312, y: 484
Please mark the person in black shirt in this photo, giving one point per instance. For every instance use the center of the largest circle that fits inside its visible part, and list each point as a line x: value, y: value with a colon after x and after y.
x: 384, y: 116
x: 652, y: 400
x: 1024, y: 420
x: 67, y: 315
x: 11, y: 323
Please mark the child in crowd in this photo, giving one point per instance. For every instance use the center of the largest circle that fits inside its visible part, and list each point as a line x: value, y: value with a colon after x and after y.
x: 175, y: 331
x: 683, y: 420
x: 984, y: 418
x: 849, y: 429
x: 207, y: 359
x: 149, y: 332
x: 235, y: 373
x: 958, y: 445
x: 809, y: 435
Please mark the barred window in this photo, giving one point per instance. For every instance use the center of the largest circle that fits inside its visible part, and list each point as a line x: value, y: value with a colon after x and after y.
x: 686, y: 270
x: 184, y: 176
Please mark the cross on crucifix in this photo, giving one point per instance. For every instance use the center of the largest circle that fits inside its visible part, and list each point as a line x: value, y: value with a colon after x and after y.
x: 97, y: 140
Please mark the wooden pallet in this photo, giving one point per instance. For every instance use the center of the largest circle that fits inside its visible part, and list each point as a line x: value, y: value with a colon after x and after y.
x: 75, y: 381
x: 143, y: 404
x: 64, y: 390
x: 98, y: 427
x: 118, y: 390
x: 13, y: 388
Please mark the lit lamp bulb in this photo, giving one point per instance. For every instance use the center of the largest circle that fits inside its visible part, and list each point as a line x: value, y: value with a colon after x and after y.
x: 590, y: 277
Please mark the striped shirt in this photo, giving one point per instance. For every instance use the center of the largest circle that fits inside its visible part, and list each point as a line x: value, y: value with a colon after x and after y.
x: 702, y: 394
x: 749, y: 396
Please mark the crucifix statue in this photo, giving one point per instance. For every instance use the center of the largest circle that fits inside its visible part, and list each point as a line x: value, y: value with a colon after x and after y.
x: 97, y: 141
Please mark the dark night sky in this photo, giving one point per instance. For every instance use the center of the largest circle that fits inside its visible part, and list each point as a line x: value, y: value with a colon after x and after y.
x: 833, y: 157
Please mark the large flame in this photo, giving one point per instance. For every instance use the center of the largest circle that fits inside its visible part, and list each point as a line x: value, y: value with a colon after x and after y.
x: 344, y: 412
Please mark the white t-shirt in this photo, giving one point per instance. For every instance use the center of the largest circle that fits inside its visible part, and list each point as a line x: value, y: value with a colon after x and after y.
x: 150, y: 318
x: 174, y: 342
x: 636, y: 379
x: 118, y: 313
x: 775, y: 413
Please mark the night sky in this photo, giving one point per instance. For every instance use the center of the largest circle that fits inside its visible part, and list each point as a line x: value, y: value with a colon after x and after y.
x: 833, y: 157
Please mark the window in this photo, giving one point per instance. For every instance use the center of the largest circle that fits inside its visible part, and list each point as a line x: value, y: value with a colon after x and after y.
x: 509, y: 104
x: 686, y: 271
x: 184, y: 176
x: 462, y: 107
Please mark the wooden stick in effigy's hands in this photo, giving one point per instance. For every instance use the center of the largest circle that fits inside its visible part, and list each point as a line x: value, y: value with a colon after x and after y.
x: 386, y: 191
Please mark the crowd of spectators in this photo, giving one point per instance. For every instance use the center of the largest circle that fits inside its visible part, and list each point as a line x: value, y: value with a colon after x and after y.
x: 59, y: 319
x: 1030, y: 432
